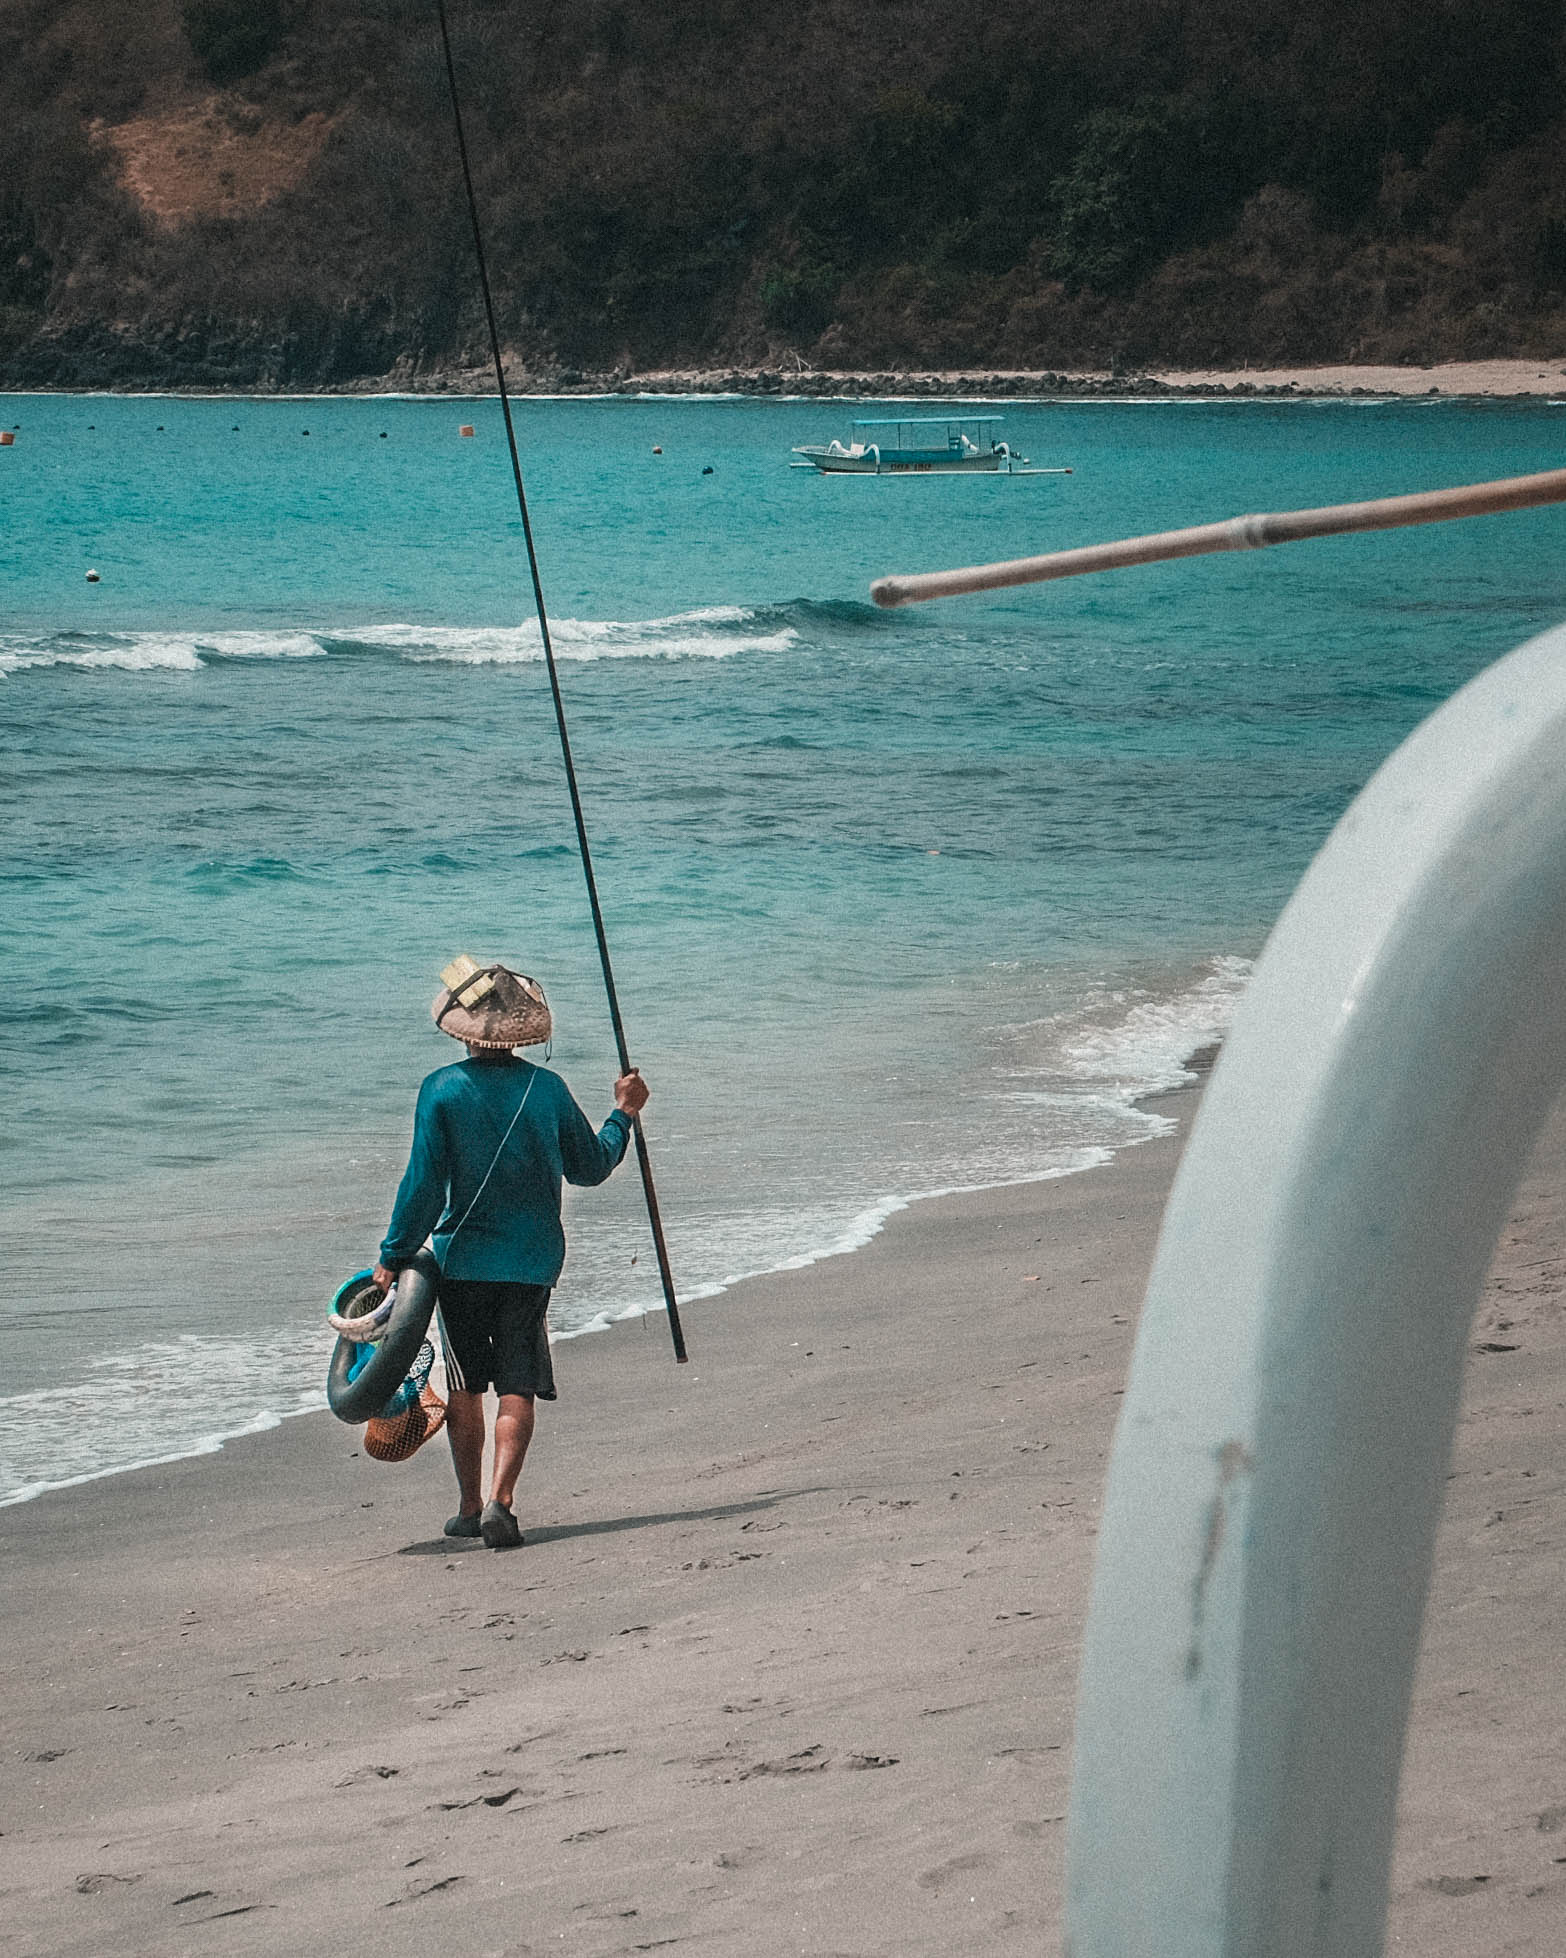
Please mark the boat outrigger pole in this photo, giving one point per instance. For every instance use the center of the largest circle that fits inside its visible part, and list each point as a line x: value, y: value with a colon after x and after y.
x: 1236, y: 534
x: 642, y: 1159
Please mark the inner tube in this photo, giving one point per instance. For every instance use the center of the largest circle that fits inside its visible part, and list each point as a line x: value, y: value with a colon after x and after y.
x: 375, y: 1382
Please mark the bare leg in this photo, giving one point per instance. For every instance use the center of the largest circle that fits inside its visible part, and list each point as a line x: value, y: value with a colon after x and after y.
x: 465, y: 1432
x: 513, y: 1432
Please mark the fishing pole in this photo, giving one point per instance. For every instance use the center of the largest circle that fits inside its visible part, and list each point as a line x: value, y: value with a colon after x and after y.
x: 643, y: 1161
x: 1236, y: 534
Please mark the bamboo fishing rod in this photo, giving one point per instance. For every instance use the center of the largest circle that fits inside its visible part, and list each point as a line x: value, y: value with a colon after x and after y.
x: 1236, y: 534
x: 644, y: 1162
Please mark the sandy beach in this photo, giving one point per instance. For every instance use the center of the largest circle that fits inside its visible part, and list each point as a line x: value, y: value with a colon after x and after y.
x: 1475, y: 377
x: 1500, y: 379
x: 787, y: 1663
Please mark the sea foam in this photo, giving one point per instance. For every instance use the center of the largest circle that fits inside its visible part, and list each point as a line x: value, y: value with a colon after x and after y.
x: 708, y: 632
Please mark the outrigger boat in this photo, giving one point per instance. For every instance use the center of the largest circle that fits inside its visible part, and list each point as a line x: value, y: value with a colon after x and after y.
x: 908, y: 445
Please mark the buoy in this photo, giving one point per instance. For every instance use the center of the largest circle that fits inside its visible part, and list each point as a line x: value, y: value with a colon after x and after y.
x: 7, y: 439
x: 656, y: 450
x: 92, y: 577
x: 383, y: 435
x: 708, y: 470
x: 466, y: 429
x: 160, y: 428
x: 304, y: 431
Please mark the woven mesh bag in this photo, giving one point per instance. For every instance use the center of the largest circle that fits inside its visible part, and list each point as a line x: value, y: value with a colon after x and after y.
x: 413, y: 1414
x: 395, y: 1438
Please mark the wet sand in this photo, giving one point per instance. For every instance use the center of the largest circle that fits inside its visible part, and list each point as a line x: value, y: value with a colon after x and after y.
x: 787, y: 1663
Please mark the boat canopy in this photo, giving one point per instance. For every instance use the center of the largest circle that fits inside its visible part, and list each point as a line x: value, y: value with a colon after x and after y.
x: 929, y: 421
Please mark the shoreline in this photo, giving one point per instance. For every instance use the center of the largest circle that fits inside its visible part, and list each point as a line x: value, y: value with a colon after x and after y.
x: 864, y: 1231
x: 793, y: 1640
x: 1505, y: 380
x: 769, y: 1621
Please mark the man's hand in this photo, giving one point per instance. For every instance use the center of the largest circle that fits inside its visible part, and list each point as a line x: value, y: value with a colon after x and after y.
x: 382, y: 1279
x: 631, y: 1092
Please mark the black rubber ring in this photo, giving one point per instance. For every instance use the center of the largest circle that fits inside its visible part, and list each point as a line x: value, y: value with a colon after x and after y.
x: 363, y: 1397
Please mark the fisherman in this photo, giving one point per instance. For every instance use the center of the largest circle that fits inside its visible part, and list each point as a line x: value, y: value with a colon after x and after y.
x: 493, y: 1136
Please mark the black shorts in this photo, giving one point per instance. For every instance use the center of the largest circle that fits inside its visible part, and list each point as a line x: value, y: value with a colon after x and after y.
x: 496, y: 1335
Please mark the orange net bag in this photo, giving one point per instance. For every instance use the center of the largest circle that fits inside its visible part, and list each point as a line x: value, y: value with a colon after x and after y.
x: 393, y: 1438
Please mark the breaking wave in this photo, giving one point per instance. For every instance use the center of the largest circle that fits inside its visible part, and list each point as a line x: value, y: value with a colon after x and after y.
x: 708, y: 632
x: 1139, y: 1042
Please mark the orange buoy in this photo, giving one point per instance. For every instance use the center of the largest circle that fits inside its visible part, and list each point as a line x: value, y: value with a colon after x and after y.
x: 466, y: 429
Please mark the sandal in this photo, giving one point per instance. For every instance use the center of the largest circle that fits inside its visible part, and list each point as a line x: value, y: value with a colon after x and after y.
x: 498, y: 1527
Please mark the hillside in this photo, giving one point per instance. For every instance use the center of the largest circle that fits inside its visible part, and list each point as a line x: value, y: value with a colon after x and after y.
x: 265, y: 192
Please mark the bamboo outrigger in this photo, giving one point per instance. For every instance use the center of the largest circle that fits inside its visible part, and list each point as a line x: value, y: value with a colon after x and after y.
x: 1237, y: 534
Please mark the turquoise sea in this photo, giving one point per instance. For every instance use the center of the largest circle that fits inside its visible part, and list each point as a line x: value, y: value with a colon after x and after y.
x: 899, y: 903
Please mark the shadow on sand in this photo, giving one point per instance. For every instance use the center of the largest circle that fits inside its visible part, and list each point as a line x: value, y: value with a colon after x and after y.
x: 558, y: 1532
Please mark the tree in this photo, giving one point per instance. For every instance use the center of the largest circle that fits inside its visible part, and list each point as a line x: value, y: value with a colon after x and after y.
x: 233, y: 38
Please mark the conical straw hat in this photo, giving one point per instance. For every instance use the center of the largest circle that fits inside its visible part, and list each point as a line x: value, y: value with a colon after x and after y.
x: 491, y: 1006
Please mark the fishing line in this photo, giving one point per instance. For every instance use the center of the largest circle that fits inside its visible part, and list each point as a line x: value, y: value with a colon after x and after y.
x: 643, y: 1162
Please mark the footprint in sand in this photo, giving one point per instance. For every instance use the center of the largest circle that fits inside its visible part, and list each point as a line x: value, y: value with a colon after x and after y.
x: 955, y: 1868
x: 1455, y: 1886
x: 497, y: 1800
x: 809, y: 1760
x: 738, y: 1859
x: 417, y: 1890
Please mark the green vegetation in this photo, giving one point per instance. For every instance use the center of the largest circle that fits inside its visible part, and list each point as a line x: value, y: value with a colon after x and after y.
x: 1032, y: 183
x: 233, y: 38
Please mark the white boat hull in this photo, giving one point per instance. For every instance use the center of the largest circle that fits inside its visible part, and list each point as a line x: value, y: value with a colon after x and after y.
x: 908, y: 445
x: 848, y: 464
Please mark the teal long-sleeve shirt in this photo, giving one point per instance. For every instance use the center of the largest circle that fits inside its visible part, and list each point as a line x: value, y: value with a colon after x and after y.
x: 507, y: 1228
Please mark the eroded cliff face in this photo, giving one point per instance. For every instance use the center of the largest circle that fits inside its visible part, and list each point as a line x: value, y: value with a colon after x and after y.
x: 213, y: 157
x: 264, y: 193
